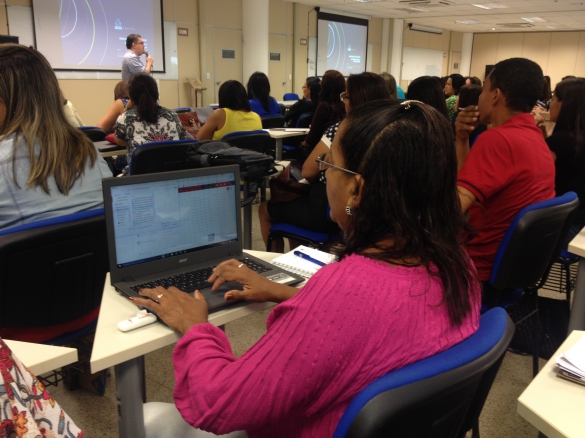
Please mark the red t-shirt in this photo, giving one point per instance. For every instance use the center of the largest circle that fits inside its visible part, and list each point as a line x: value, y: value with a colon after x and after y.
x: 508, y: 168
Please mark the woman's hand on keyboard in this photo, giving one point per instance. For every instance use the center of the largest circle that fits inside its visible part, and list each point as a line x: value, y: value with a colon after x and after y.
x: 178, y: 310
x: 256, y: 287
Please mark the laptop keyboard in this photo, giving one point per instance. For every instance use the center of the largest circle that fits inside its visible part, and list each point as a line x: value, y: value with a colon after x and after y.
x: 193, y: 280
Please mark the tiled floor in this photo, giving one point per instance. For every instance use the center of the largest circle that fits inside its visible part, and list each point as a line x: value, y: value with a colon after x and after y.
x: 97, y: 415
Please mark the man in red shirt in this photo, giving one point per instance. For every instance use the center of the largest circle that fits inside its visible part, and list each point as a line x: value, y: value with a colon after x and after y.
x: 510, y: 165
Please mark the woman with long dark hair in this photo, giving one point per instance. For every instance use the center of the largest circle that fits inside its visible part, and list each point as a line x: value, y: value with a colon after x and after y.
x: 259, y: 95
x: 310, y: 211
x: 403, y: 289
x: 567, y: 142
x: 146, y: 121
x: 234, y: 113
x: 428, y: 89
x: 120, y: 104
x: 330, y: 109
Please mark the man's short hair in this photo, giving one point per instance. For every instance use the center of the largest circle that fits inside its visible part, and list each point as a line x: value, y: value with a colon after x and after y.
x: 131, y: 39
x: 520, y: 80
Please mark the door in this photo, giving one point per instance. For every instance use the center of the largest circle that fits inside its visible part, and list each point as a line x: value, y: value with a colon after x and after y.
x: 227, y: 57
x: 277, y: 68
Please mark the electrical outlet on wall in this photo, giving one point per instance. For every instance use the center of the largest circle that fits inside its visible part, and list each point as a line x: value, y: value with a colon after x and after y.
x: 208, y: 76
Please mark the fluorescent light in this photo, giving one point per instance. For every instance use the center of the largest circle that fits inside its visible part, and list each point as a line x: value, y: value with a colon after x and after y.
x: 558, y: 26
x: 467, y: 22
x: 534, y: 19
x: 491, y: 6
x: 421, y: 28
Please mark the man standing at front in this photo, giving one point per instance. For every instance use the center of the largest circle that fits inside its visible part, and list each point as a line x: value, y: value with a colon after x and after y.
x: 509, y: 166
x: 131, y: 63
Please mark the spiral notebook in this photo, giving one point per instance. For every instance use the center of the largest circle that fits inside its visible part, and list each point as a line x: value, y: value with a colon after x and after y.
x: 300, y: 266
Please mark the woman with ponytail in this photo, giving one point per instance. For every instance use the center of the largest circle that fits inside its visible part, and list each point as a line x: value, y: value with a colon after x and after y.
x: 146, y: 121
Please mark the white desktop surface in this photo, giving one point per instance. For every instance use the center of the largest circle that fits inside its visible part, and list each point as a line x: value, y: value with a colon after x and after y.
x: 111, y: 346
x: 577, y: 245
x: 553, y: 405
x: 41, y: 358
x: 293, y: 132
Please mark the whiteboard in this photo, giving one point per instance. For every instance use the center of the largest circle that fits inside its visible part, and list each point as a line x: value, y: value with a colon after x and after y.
x: 421, y: 62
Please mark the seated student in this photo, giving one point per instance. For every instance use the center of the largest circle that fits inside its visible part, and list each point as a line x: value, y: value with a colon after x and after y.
x: 146, y: 121
x: 121, y: 103
x: 48, y: 168
x: 330, y: 109
x: 308, y: 103
x: 510, y: 165
x: 234, y: 113
x: 310, y: 211
x: 259, y: 95
x: 403, y: 289
x: 567, y: 143
x: 451, y: 90
x: 428, y: 89
x: 28, y: 410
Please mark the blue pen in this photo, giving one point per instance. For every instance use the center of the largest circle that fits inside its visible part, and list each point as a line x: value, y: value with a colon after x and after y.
x: 309, y: 258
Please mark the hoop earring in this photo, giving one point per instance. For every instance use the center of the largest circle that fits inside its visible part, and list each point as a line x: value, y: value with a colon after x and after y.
x: 348, y: 210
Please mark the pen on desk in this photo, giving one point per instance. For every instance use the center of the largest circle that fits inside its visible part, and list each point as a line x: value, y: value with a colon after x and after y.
x: 308, y: 258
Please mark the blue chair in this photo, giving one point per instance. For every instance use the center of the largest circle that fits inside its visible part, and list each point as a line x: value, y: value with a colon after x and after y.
x: 525, y: 255
x: 182, y: 109
x: 313, y: 239
x: 162, y: 156
x: 305, y: 119
x: 95, y: 133
x: 259, y: 140
x: 290, y: 96
x: 273, y: 122
x: 441, y: 396
x: 52, y: 275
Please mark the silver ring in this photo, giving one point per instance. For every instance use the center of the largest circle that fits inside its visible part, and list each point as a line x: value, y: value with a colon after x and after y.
x: 241, y: 264
x: 159, y: 297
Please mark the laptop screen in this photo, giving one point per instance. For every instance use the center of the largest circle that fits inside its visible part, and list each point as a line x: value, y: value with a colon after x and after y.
x: 158, y: 219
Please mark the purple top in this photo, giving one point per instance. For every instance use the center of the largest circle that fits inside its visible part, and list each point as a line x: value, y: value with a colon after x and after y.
x: 353, y: 322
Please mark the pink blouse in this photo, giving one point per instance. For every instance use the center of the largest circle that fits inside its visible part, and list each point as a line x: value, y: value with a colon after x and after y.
x: 353, y: 322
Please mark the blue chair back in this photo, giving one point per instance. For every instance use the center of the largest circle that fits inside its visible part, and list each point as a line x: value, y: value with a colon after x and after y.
x: 272, y: 122
x: 182, y: 109
x: 163, y: 156
x: 441, y: 396
x: 259, y: 140
x: 56, y: 268
x: 304, y: 120
x: 533, y: 242
x: 290, y: 96
x: 95, y: 133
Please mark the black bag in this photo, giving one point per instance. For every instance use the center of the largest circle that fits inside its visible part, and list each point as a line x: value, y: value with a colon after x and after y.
x: 254, y: 166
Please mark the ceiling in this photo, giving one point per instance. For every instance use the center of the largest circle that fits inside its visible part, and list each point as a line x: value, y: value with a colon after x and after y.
x: 559, y: 15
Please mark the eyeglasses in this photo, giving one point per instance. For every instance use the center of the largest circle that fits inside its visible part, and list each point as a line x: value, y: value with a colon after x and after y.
x: 141, y: 42
x: 324, y: 164
x: 343, y: 96
x: 303, y: 87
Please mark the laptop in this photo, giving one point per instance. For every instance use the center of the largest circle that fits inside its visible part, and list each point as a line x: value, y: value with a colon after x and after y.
x: 172, y: 228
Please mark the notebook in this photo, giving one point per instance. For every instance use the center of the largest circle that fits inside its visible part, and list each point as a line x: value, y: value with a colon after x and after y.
x: 299, y: 266
x: 164, y: 225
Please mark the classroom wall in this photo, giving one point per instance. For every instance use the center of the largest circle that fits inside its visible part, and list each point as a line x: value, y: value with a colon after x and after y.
x: 558, y: 53
x: 449, y: 42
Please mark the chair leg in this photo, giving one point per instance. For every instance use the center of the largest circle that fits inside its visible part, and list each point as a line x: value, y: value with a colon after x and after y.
x: 535, y: 334
x: 475, y: 429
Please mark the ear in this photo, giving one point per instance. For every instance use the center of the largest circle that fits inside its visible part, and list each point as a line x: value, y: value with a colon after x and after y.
x: 498, y: 97
x: 356, y: 190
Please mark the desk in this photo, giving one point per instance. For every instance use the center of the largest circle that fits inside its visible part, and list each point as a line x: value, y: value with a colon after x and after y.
x: 577, y: 320
x: 108, y: 149
x: 41, y: 358
x: 553, y: 405
x: 125, y: 350
x: 278, y: 135
x: 285, y: 103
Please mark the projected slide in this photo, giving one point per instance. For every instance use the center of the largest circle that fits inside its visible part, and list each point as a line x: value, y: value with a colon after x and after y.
x: 342, y: 47
x: 91, y: 34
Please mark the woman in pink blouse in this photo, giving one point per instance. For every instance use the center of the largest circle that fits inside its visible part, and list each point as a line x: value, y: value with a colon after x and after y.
x: 403, y: 289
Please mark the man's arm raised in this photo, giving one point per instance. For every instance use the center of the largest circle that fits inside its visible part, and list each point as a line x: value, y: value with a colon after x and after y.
x: 467, y: 121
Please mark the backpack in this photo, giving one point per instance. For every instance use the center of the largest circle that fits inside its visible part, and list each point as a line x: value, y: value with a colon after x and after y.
x: 254, y: 166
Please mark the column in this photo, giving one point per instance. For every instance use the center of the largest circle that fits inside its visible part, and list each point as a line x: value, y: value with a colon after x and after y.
x: 466, y: 48
x: 396, y: 61
x: 255, y: 37
x: 385, y: 44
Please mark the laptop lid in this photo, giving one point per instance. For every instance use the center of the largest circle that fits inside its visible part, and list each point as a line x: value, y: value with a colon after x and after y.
x: 164, y: 221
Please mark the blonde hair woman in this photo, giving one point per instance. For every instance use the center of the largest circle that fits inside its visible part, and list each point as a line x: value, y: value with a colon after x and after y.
x: 48, y: 168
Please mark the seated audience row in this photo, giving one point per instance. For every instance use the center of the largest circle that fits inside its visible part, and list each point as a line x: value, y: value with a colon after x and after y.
x: 309, y: 102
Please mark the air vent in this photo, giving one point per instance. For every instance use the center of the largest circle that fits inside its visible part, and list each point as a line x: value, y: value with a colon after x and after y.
x: 411, y: 10
x: 514, y: 25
